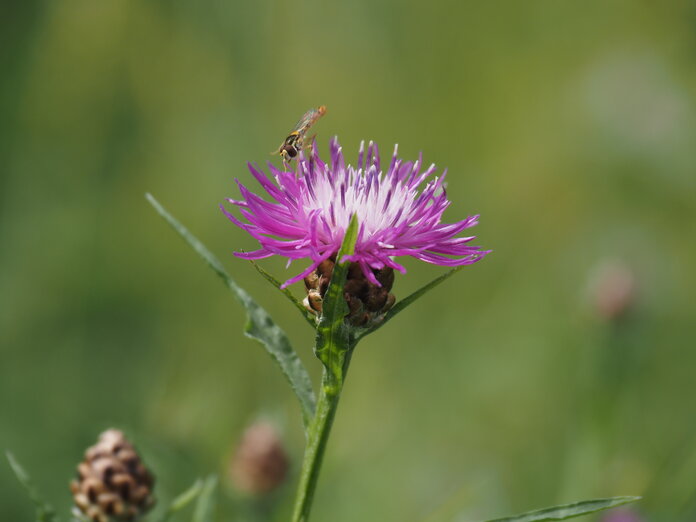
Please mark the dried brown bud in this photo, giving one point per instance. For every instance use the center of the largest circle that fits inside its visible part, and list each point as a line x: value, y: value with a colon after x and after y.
x: 112, y: 484
x: 367, y: 303
x: 260, y: 463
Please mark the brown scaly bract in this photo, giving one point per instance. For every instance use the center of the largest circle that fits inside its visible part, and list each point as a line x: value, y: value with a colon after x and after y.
x: 367, y: 303
x: 112, y: 484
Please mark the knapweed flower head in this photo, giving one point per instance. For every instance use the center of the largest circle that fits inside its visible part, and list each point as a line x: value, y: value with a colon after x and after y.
x: 112, y: 482
x: 399, y: 212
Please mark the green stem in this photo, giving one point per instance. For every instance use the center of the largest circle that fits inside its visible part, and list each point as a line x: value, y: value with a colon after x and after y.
x: 318, y: 436
x: 334, y: 348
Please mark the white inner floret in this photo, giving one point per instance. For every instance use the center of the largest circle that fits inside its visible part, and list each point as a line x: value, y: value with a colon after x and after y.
x: 379, y: 201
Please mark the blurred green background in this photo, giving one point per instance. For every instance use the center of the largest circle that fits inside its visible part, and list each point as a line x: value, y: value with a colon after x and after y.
x: 569, y: 126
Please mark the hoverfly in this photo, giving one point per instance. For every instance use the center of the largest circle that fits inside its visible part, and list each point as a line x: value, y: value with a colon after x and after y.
x: 293, y: 144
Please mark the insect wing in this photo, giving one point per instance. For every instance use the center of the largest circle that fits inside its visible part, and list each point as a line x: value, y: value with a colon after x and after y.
x: 295, y: 140
x: 308, y: 119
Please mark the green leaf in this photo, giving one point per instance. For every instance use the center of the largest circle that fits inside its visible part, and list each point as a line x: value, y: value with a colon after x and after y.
x: 206, y: 501
x: 332, y: 332
x: 259, y: 325
x: 402, y: 304
x: 182, y: 500
x: 566, y: 511
x: 308, y: 316
x: 44, y: 511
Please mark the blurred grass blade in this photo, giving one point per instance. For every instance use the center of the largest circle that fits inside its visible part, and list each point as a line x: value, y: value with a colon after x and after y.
x: 186, y: 497
x: 308, y: 316
x: 566, y: 511
x: 206, y: 501
x: 259, y: 324
x: 44, y: 511
x: 402, y: 304
x: 183, y: 500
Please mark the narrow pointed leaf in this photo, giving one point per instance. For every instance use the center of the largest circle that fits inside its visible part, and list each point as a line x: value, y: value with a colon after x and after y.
x: 402, y: 304
x: 259, y: 325
x: 44, y: 511
x: 205, y: 506
x: 182, y: 500
x: 308, y: 316
x: 332, y: 330
x: 185, y: 498
x: 567, y: 511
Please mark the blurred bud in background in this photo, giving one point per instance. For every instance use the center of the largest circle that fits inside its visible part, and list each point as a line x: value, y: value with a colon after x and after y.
x: 112, y: 484
x: 260, y: 463
x: 612, y: 289
x: 622, y: 515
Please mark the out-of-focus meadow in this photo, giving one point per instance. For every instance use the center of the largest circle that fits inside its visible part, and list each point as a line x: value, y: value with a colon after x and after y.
x: 569, y: 126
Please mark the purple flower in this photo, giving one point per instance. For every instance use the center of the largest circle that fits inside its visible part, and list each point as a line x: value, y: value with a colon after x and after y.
x: 399, y: 212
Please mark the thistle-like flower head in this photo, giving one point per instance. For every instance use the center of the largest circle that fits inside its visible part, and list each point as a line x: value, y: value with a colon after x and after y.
x: 399, y: 211
x: 112, y: 483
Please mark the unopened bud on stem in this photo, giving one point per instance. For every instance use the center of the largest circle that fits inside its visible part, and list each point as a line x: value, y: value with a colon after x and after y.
x: 112, y: 483
x: 260, y: 463
x: 612, y: 290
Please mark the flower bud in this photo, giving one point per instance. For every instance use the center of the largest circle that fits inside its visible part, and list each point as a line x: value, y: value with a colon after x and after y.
x: 612, y: 290
x: 260, y: 463
x: 112, y: 483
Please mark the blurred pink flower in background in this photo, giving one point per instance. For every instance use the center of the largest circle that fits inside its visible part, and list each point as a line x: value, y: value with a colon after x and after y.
x: 612, y: 289
x: 622, y: 515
